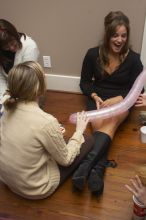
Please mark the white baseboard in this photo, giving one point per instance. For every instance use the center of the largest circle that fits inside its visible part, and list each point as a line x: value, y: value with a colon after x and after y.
x: 62, y: 83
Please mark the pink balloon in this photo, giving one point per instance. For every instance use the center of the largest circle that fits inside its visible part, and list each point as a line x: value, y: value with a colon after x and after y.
x: 118, y: 108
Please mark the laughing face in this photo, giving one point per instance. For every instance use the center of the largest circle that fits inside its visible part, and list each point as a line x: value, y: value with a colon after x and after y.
x: 118, y: 39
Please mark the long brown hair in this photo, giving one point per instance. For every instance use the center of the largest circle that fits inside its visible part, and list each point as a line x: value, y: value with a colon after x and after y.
x: 111, y: 21
x: 25, y: 84
x: 8, y: 32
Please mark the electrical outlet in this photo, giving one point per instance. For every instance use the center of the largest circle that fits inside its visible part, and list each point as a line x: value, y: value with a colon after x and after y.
x: 47, y: 61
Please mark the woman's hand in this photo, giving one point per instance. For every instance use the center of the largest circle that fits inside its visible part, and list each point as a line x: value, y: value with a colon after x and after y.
x: 138, y: 190
x: 97, y: 100
x: 111, y: 101
x: 141, y: 101
x: 82, y: 121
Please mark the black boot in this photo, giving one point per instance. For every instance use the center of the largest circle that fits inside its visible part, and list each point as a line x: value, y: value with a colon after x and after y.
x: 96, y: 177
x: 101, y: 145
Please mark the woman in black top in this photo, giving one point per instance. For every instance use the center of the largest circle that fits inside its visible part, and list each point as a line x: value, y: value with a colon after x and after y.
x: 108, y: 73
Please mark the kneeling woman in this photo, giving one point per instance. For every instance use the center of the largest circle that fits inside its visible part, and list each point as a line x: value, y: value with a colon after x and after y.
x: 33, y: 152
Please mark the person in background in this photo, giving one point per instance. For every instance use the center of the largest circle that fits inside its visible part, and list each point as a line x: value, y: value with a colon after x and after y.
x: 15, y: 48
x: 34, y: 158
x: 108, y: 73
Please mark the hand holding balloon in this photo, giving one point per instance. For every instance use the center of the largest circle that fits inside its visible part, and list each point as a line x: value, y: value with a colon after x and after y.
x: 111, y: 101
x: 97, y: 100
x: 141, y: 101
x: 82, y: 121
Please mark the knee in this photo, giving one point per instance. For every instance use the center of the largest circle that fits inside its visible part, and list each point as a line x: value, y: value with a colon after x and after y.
x: 96, y: 124
x: 109, y: 126
x: 114, y: 122
x: 120, y: 118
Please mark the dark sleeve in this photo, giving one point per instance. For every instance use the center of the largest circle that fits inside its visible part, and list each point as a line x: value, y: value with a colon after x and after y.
x: 134, y: 71
x: 137, y: 68
x: 86, y: 82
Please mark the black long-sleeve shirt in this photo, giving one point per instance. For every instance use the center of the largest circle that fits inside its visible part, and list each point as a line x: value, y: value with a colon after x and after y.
x: 115, y: 84
x: 10, y: 56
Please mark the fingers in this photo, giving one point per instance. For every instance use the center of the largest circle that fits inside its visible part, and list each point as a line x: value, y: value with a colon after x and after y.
x: 97, y: 98
x: 141, y: 101
x: 82, y: 116
x: 136, y: 185
x: 138, y: 181
x: 143, y: 96
x: 82, y: 121
x: 138, y: 105
x: 105, y: 104
x: 97, y: 105
x: 100, y: 100
x: 130, y: 189
x: 137, y: 189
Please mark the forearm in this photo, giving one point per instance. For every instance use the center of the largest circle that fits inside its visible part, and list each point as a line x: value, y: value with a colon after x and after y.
x: 68, y: 152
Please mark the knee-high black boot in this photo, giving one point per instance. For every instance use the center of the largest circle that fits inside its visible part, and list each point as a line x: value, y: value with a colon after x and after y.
x: 96, y: 176
x: 95, y: 179
x: 101, y: 145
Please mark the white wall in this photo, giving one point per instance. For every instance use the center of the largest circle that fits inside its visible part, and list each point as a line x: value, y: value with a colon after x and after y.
x: 143, y: 49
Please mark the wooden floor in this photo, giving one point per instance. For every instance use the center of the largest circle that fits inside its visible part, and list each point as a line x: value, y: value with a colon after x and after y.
x: 64, y: 204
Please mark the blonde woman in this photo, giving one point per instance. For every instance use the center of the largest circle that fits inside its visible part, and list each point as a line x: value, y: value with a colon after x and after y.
x: 33, y: 154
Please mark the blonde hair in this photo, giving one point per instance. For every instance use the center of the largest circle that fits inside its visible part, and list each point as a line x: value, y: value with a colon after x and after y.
x: 25, y: 83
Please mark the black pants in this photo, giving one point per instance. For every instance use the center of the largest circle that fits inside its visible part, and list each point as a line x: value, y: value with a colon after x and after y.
x: 65, y: 172
x: 99, y: 151
x: 0, y: 110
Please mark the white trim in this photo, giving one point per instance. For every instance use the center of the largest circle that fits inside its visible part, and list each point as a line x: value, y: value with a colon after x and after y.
x: 71, y: 83
x: 62, y: 83
x: 143, y: 49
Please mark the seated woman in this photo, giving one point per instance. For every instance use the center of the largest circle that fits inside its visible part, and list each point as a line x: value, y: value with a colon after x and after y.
x: 33, y: 154
x: 108, y: 73
x: 15, y: 48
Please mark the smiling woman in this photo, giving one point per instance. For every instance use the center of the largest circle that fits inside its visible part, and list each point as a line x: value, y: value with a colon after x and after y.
x: 116, y: 44
x: 108, y: 74
x: 118, y: 39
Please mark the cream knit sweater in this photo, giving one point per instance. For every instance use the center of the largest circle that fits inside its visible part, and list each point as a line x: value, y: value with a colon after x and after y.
x: 31, y: 146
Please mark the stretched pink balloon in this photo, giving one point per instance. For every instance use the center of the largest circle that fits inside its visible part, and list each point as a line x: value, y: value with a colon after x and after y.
x: 118, y: 108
